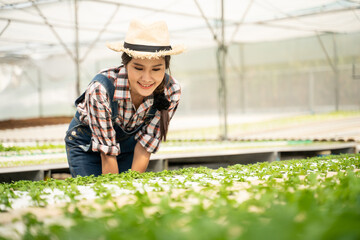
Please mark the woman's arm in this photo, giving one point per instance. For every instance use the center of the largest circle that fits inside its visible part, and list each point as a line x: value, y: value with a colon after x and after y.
x: 109, y: 164
x: 141, y: 158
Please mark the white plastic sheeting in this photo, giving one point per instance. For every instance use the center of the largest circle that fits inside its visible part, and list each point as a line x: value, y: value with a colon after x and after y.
x: 47, y: 26
x: 42, y: 36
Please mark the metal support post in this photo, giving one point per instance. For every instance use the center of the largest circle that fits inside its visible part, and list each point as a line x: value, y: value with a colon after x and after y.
x: 77, y: 61
x: 333, y: 65
x: 336, y: 75
x: 242, y: 79
x: 40, y: 92
x: 222, y: 78
x: 311, y: 92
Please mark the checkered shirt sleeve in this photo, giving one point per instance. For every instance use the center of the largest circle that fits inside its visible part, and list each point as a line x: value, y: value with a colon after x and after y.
x: 99, y: 117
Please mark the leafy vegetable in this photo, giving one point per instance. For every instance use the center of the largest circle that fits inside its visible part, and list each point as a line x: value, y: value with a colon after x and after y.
x: 317, y: 198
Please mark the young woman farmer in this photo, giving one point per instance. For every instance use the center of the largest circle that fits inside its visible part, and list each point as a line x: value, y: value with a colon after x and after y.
x: 124, y: 113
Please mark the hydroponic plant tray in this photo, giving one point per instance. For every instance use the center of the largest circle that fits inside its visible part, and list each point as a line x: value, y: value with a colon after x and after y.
x: 316, y: 198
x: 46, y: 154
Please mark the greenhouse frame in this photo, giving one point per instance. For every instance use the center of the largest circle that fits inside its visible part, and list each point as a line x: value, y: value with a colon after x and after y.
x: 52, y: 44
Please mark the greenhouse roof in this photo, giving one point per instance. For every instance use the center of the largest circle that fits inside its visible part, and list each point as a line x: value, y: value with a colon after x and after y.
x: 46, y: 27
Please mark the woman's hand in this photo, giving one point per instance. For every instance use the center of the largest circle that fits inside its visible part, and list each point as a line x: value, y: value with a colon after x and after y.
x: 109, y: 164
x: 141, y: 158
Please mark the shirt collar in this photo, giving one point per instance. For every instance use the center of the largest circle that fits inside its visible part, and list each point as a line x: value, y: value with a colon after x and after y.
x: 146, y: 104
x: 122, y: 87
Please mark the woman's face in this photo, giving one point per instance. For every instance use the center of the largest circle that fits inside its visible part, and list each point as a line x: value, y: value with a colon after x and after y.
x: 145, y: 75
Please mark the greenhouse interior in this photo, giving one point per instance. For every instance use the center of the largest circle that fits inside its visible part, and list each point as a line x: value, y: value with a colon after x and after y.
x: 265, y: 140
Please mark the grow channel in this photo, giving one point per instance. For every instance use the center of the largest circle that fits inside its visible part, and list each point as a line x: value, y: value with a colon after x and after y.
x: 317, y: 198
x: 13, y: 156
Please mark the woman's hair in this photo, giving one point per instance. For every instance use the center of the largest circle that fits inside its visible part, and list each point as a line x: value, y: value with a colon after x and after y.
x: 158, y: 96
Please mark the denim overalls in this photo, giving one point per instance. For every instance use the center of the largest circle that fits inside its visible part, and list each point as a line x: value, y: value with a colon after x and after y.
x: 82, y: 160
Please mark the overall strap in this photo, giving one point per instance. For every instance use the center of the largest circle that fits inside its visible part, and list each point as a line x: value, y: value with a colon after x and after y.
x: 110, y: 89
x: 150, y: 115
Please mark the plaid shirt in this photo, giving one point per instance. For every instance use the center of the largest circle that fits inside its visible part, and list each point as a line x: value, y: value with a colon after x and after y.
x: 95, y: 111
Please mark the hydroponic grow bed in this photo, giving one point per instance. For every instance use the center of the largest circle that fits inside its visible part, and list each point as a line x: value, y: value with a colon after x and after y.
x: 317, y: 198
x: 44, y: 154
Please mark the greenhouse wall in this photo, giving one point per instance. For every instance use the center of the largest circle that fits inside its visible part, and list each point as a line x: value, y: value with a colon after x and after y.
x: 290, y: 75
x: 283, y: 76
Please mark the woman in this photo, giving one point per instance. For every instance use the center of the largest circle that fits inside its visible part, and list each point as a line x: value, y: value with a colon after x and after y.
x: 124, y: 113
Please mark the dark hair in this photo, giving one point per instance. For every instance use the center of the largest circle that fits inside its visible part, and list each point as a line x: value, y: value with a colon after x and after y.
x: 159, y: 98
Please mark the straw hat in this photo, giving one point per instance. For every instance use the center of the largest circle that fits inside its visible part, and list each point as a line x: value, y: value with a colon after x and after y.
x: 146, y: 41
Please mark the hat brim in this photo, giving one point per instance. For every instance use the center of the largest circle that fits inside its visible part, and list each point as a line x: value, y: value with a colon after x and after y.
x: 119, y: 47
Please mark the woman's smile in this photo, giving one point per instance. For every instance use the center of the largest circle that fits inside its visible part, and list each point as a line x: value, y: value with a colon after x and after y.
x: 146, y: 85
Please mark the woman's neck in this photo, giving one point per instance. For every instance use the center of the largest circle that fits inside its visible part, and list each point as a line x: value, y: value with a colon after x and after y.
x: 136, y: 99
